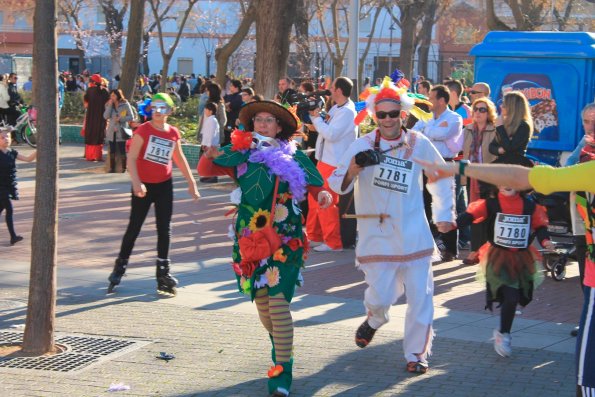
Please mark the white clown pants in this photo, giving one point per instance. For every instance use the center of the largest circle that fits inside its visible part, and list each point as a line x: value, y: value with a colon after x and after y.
x: 386, y: 283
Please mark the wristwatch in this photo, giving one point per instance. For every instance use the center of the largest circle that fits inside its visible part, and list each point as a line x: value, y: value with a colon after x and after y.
x: 462, y: 165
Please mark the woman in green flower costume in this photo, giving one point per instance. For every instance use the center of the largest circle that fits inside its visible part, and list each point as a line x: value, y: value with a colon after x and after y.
x: 257, y: 160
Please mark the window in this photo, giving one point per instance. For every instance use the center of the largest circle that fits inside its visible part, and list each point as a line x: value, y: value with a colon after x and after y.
x: 185, y: 66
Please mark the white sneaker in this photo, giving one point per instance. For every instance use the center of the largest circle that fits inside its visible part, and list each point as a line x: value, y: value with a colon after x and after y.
x: 315, y: 243
x: 325, y: 248
x: 502, y: 343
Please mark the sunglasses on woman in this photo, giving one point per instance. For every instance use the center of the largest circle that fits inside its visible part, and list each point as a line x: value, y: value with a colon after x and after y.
x: 480, y: 110
x: 393, y: 114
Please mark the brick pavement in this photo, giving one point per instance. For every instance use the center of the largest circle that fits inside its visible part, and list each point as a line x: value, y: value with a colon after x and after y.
x: 220, y: 353
x: 207, y: 313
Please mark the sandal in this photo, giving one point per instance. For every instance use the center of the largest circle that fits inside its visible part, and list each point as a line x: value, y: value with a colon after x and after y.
x: 419, y: 367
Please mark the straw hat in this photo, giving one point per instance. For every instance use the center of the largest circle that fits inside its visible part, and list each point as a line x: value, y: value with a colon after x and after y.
x: 288, y: 120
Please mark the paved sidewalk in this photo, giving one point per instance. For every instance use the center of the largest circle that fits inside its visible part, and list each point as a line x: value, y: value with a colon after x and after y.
x: 220, y: 348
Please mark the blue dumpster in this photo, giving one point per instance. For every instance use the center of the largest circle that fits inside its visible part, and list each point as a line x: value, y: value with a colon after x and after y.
x: 555, y: 71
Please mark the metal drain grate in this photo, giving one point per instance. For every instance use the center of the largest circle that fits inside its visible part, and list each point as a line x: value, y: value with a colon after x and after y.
x: 81, y: 352
x: 95, y: 346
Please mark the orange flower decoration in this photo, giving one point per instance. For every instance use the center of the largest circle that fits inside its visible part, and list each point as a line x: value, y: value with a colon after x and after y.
x: 275, y: 371
x: 278, y: 256
x: 241, y: 140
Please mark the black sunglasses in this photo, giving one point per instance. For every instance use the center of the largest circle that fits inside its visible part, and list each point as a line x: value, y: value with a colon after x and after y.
x: 480, y: 110
x: 476, y: 92
x: 393, y: 114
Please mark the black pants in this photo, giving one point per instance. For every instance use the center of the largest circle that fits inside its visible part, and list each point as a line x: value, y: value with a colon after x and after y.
x: 162, y: 195
x: 6, y: 204
x: 117, y: 147
x: 510, y: 300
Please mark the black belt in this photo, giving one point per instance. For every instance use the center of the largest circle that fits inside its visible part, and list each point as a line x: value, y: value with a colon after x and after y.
x: 448, y: 158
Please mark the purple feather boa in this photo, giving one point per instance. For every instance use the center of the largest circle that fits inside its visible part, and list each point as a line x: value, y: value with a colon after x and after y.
x: 280, y: 162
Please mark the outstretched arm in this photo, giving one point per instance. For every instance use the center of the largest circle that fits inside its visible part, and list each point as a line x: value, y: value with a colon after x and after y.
x: 514, y: 176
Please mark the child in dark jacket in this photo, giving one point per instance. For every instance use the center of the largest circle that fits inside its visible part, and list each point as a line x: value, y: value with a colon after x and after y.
x: 8, y: 179
x: 510, y: 266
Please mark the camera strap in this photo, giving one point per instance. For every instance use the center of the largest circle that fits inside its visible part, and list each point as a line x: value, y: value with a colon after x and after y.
x: 377, y: 142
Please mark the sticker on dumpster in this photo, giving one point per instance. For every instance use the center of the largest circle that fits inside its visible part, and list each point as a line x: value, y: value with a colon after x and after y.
x: 538, y: 90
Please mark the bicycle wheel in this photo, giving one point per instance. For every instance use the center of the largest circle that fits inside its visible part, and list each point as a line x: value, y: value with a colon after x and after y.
x: 30, y: 134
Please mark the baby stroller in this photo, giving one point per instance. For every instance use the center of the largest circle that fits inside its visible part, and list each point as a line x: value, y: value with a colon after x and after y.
x: 557, y: 206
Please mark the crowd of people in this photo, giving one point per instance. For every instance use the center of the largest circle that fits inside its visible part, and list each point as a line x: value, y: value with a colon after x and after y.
x: 419, y: 192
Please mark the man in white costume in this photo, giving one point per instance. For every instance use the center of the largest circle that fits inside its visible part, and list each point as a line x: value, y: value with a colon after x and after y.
x: 395, y: 245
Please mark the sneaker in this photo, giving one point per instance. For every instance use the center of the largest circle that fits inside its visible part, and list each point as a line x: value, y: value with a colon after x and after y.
x: 325, y: 248
x: 15, y: 240
x: 502, y: 343
x: 464, y: 245
x: 364, y: 335
x: 314, y: 244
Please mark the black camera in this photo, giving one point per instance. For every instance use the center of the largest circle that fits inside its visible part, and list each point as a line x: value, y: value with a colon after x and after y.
x: 307, y: 102
x: 367, y: 158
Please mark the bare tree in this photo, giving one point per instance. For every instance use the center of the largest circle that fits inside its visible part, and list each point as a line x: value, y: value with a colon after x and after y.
x: 133, y: 48
x: 377, y: 9
x: 70, y: 10
x: 274, y: 20
x: 433, y: 10
x: 150, y: 28
x: 302, y: 37
x: 410, y: 14
x: 41, y: 310
x: 114, y: 28
x: 527, y: 15
x: 340, y: 23
x: 167, y: 55
x: 224, y: 53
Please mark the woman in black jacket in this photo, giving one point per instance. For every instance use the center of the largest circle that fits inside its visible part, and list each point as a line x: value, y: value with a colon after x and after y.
x: 515, y: 127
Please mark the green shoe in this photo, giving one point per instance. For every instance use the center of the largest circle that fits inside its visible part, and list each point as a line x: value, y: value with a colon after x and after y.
x: 280, y: 378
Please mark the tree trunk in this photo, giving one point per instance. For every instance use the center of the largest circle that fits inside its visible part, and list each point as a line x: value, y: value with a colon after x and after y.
x: 427, y: 25
x: 302, y: 39
x: 408, y: 24
x: 274, y: 20
x: 164, y: 71
x: 133, y: 48
x: 493, y: 22
x: 41, y: 310
x: 145, y: 52
x: 362, y: 60
x: 223, y: 53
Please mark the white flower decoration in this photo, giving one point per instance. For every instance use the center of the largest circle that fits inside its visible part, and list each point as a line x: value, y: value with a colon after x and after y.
x: 281, y: 213
x: 236, y: 196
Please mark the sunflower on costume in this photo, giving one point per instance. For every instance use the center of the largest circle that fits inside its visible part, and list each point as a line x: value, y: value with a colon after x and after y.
x: 259, y: 220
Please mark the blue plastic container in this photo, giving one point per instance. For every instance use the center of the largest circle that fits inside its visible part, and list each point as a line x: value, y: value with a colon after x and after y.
x: 555, y: 71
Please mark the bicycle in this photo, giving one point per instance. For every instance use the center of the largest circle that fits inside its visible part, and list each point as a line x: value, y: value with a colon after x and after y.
x: 25, y: 125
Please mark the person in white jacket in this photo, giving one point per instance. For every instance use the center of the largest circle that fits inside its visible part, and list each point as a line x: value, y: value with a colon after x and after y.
x: 210, y: 133
x: 4, y: 97
x: 395, y: 246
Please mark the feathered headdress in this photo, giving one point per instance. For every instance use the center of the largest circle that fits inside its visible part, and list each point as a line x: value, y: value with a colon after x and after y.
x: 390, y: 91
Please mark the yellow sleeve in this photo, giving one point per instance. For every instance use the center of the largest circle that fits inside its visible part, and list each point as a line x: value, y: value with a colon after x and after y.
x: 546, y: 179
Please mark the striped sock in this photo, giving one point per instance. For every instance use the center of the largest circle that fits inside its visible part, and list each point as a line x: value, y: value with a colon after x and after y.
x: 282, y: 327
x: 262, y: 305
